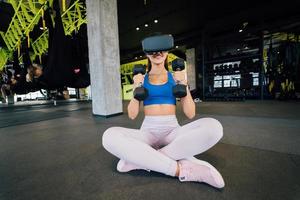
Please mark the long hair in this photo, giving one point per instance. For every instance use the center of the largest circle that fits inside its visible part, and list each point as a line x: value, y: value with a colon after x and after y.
x: 149, y: 66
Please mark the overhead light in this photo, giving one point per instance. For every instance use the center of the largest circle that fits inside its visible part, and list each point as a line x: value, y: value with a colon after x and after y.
x: 155, y: 21
x: 238, y: 49
x: 141, y: 56
x: 176, y: 47
x: 135, y: 57
x: 246, y: 47
x: 137, y: 28
x: 241, y: 30
x: 146, y: 25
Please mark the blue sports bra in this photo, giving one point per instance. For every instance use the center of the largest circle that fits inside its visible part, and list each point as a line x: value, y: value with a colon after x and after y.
x: 160, y: 94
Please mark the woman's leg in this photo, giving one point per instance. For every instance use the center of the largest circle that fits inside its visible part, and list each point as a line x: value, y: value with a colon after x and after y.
x: 134, y: 146
x: 189, y: 140
x: 193, y: 138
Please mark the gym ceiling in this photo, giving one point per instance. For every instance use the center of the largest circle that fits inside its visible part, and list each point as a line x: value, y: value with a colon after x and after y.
x: 189, y: 20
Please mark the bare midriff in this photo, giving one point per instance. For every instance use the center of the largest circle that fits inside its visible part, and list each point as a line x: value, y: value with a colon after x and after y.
x: 159, y: 109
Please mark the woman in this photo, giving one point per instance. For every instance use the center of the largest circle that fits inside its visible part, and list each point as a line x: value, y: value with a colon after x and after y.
x: 161, y: 144
x: 34, y: 71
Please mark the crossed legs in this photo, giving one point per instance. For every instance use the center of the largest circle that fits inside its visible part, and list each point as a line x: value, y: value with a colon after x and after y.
x: 135, y: 146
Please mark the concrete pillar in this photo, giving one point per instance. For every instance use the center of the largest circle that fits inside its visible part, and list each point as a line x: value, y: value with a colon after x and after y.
x: 190, y: 68
x: 104, y: 58
x: 89, y: 93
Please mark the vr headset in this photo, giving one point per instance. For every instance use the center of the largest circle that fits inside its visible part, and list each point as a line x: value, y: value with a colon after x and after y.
x: 157, y: 43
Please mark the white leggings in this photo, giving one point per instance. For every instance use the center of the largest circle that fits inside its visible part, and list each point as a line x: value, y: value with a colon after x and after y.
x: 161, y: 142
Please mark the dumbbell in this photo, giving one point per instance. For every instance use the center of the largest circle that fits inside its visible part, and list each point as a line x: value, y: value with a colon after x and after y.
x: 140, y: 93
x: 179, y: 90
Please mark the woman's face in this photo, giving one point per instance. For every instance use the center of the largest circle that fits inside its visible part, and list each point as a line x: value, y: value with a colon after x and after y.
x: 158, y: 57
x: 37, y: 72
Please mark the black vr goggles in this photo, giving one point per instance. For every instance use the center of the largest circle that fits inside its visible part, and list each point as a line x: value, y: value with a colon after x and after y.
x: 157, y: 43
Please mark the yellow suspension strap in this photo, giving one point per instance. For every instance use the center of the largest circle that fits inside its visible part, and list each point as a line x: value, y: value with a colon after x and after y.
x: 43, y: 20
x: 28, y: 40
x: 18, y: 46
x: 72, y: 19
x: 3, y: 58
x: 63, y: 5
x: 287, y: 84
x: 271, y: 85
x: 291, y: 86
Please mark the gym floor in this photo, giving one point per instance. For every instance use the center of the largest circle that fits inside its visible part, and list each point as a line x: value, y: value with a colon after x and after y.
x: 54, y: 152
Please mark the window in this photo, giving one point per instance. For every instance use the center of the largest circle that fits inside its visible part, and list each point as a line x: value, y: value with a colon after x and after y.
x: 218, y: 81
x: 72, y: 91
x: 231, y: 79
x: 217, y: 84
x: 255, y: 77
x: 255, y: 81
x: 227, y: 81
x: 235, y: 80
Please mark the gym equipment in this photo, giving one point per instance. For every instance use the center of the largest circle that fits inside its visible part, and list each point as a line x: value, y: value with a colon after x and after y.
x: 235, y: 67
x: 230, y: 69
x: 22, y: 86
x: 179, y: 90
x: 225, y: 69
x: 66, y: 64
x: 140, y: 93
x: 157, y: 43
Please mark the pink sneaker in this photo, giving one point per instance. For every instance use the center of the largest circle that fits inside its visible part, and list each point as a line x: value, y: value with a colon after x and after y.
x: 124, y: 166
x: 200, y: 172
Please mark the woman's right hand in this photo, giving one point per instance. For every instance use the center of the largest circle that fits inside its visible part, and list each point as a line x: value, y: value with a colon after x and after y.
x: 138, y: 80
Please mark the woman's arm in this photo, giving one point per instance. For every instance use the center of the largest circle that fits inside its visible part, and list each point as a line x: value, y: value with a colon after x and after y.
x: 134, y: 105
x: 187, y: 102
x: 133, y: 108
x: 188, y: 105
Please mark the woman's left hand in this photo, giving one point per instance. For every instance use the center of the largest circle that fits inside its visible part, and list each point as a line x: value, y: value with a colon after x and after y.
x: 180, y: 76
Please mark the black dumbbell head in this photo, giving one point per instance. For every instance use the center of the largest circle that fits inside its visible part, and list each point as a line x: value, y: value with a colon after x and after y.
x: 178, y: 64
x: 140, y: 93
x: 139, y: 69
x: 179, y: 91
